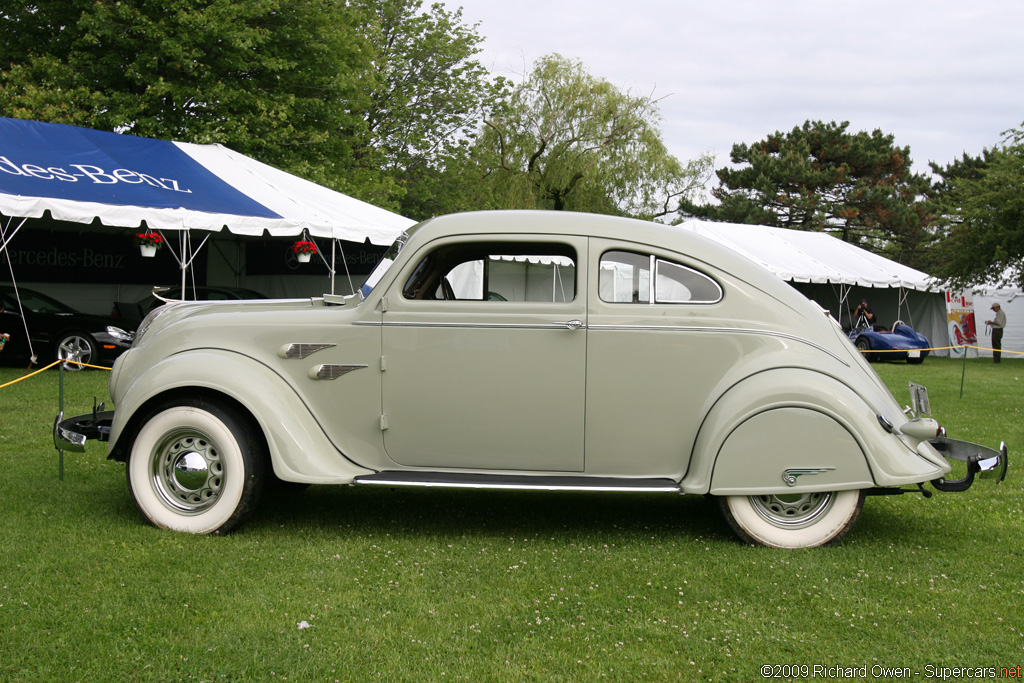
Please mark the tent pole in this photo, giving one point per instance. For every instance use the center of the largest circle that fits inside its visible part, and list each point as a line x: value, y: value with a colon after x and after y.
x: 348, y: 273
x: 186, y: 248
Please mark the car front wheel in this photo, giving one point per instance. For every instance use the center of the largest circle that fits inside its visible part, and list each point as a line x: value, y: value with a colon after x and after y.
x: 77, y: 347
x: 799, y: 520
x: 196, y: 466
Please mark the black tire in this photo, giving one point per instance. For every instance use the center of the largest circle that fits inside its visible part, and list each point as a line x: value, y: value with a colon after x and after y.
x: 76, y: 346
x: 800, y: 520
x: 197, y: 466
x: 864, y: 345
x: 915, y: 361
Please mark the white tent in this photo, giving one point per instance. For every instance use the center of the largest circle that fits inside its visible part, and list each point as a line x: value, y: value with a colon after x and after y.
x: 814, y: 257
x: 837, y: 274
x: 81, y: 175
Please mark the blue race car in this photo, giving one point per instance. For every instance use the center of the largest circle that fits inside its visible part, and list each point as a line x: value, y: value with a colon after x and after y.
x: 901, y: 342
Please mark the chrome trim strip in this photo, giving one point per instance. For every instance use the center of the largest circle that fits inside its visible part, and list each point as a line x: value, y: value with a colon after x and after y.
x: 520, y: 487
x: 302, y: 349
x: 480, y: 326
x: 332, y: 371
x: 638, y: 328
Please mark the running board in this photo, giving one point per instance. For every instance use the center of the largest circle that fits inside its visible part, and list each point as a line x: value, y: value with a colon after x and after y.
x: 520, y: 482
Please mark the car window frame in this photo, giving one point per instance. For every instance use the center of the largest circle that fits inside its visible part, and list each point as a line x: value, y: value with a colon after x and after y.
x: 473, y: 248
x: 654, y: 259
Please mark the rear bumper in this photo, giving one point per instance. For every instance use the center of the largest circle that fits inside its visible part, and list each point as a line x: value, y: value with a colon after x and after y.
x: 70, y: 434
x: 983, y: 463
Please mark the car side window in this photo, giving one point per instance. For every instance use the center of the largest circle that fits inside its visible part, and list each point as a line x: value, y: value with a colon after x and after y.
x: 625, y: 277
x: 496, y: 272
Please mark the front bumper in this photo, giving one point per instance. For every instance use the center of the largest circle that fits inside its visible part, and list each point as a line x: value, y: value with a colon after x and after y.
x: 982, y: 462
x: 70, y: 434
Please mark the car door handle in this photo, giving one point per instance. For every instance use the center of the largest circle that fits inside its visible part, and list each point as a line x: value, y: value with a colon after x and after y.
x: 572, y: 324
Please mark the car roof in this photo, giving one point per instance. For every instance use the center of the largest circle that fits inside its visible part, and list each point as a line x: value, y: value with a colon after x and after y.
x: 592, y: 225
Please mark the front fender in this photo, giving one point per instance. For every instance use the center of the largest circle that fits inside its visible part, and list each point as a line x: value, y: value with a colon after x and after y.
x: 801, y: 421
x: 299, y: 449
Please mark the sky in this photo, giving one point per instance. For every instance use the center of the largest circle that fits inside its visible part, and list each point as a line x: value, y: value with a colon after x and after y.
x: 943, y: 77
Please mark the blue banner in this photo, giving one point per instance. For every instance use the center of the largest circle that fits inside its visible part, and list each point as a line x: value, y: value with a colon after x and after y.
x: 68, y: 162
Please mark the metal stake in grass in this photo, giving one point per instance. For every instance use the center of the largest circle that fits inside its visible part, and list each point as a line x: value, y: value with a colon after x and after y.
x: 963, y: 371
x: 60, y: 411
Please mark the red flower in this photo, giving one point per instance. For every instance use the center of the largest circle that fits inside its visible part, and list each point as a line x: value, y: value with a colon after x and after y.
x: 150, y: 239
x: 304, y: 247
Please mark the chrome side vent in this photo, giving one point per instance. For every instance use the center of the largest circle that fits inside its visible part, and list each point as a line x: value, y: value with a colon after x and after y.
x: 301, y: 350
x: 332, y: 371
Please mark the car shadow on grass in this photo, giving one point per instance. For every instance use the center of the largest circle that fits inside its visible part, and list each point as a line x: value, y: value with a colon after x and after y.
x: 436, y: 511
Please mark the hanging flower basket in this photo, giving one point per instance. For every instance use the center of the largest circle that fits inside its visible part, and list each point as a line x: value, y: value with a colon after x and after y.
x: 304, y: 250
x: 148, y: 243
x: 3, y: 340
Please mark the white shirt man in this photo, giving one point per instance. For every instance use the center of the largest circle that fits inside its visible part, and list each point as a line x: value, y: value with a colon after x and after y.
x: 997, y: 323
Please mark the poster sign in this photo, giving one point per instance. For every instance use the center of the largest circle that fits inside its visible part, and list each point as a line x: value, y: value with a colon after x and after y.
x: 91, y: 257
x: 960, y: 323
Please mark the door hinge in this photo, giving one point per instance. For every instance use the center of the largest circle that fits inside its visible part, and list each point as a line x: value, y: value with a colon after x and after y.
x: 383, y: 363
x: 383, y: 422
x: 384, y: 305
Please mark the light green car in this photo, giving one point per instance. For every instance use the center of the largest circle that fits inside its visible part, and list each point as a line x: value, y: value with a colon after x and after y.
x: 524, y: 350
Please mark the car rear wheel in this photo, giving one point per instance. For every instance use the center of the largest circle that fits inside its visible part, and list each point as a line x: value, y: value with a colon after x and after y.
x: 196, y: 466
x: 77, y: 347
x: 798, y: 520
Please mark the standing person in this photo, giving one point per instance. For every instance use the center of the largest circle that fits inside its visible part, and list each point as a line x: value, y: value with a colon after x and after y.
x: 997, y: 323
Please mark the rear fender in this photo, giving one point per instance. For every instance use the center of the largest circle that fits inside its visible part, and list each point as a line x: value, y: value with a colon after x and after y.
x: 790, y: 430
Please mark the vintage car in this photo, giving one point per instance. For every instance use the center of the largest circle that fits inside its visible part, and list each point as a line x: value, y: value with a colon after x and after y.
x: 899, y: 342
x: 523, y: 350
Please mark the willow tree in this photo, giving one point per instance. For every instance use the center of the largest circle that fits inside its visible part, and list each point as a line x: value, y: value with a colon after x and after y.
x: 566, y: 140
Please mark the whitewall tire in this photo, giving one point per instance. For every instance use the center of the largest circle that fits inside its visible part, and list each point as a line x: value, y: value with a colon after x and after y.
x: 196, y: 466
x: 800, y: 520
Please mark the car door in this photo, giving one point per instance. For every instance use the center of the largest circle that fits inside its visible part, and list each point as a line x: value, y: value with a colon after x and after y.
x: 657, y: 350
x: 484, y: 355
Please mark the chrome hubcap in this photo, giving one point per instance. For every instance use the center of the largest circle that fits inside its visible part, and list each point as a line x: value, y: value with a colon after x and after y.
x: 75, y: 349
x: 792, y: 511
x: 187, y: 472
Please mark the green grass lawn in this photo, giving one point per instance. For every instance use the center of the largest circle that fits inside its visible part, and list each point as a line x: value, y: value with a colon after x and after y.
x: 350, y: 584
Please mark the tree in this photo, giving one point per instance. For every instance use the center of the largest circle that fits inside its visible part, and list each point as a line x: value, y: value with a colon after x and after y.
x: 820, y: 177
x: 429, y: 94
x: 567, y: 140
x: 982, y: 204
x: 264, y: 77
x: 370, y: 97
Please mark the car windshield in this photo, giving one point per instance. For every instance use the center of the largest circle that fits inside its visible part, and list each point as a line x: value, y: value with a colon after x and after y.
x: 382, y: 266
x: 35, y: 302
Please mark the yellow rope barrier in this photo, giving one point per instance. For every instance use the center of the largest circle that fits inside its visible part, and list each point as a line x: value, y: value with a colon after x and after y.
x: 56, y: 362
x: 941, y: 348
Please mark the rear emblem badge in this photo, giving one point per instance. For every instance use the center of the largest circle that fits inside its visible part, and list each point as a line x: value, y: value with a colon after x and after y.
x: 789, y: 476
